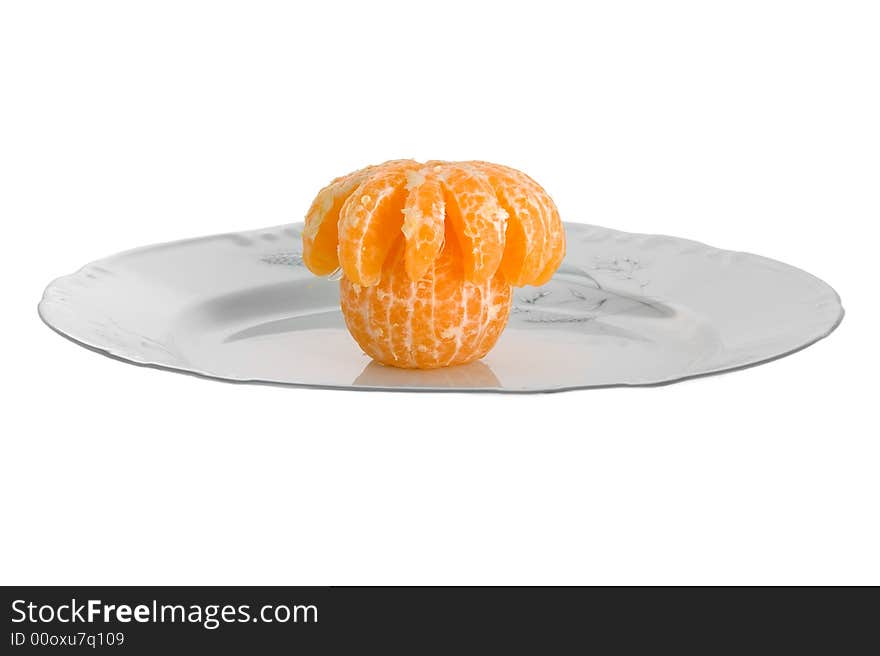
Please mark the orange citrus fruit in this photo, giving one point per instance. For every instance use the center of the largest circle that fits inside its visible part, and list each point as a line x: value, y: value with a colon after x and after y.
x: 429, y: 253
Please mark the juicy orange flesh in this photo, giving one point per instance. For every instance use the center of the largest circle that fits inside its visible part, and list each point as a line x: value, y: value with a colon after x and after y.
x: 439, y: 320
x: 423, y: 224
x: 477, y: 221
x: 369, y: 222
x: 429, y: 253
x: 320, y: 251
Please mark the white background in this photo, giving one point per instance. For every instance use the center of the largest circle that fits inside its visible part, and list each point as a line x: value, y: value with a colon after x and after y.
x: 747, y: 125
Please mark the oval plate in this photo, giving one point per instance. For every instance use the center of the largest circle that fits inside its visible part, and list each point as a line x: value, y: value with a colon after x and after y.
x: 623, y: 309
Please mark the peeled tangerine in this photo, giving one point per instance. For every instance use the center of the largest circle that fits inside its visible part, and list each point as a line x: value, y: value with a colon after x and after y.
x: 429, y: 253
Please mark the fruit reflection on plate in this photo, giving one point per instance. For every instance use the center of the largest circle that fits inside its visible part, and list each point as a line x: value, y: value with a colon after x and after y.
x: 475, y: 375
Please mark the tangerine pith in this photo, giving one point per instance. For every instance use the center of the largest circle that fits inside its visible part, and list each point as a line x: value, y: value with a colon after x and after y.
x: 429, y: 252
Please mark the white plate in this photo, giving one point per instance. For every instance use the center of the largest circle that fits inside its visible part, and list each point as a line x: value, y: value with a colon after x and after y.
x: 624, y: 309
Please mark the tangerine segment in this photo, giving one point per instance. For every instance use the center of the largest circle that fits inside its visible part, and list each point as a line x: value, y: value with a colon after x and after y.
x: 554, y: 249
x: 441, y: 319
x: 370, y: 220
x: 556, y: 239
x: 321, y: 234
x: 424, y: 221
x: 526, y: 228
x: 557, y: 254
x: 539, y: 220
x: 477, y: 220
